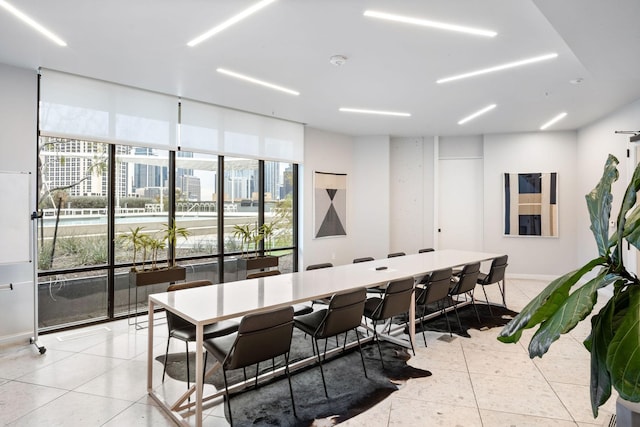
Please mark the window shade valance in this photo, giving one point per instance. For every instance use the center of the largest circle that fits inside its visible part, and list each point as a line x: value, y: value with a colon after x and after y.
x: 83, y: 108
x: 78, y: 107
x: 213, y: 129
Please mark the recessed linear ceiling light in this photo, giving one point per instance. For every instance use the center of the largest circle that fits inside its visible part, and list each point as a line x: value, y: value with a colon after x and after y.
x: 229, y: 22
x: 256, y: 81
x: 499, y: 67
x: 552, y: 121
x: 379, y: 112
x: 33, y: 24
x: 477, y: 113
x: 427, y: 23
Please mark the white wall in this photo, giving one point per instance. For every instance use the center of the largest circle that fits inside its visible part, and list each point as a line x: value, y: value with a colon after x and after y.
x: 325, y: 152
x: 411, y: 194
x: 595, y: 143
x: 365, y: 160
x: 532, y: 152
x: 17, y: 154
x: 371, y: 201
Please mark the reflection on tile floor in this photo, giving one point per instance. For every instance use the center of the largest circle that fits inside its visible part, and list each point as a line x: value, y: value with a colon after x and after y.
x: 97, y: 377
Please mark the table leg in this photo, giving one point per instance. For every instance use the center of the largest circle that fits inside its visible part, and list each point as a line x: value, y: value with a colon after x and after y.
x: 150, y: 349
x: 199, y: 370
x: 412, y: 321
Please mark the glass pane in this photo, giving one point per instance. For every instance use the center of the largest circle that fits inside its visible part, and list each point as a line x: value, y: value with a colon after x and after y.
x: 278, y: 216
x: 73, y: 200
x: 240, y: 203
x: 72, y: 231
x: 65, y: 299
x: 141, y: 204
x: 203, y: 269
x: 195, y: 193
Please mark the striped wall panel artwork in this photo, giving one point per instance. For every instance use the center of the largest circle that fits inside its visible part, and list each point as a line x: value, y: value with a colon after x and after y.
x: 531, y: 204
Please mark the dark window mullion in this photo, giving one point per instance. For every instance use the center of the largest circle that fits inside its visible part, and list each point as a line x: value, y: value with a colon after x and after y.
x: 111, y: 230
x: 220, y: 217
x: 261, y: 190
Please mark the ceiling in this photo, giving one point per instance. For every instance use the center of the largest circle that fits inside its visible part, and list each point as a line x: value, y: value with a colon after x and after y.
x: 390, y: 66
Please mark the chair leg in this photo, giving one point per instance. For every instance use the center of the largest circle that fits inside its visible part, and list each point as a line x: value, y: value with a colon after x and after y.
x: 324, y: 384
x: 473, y: 303
x: 424, y: 337
x: 446, y: 317
x: 226, y: 394
x: 257, y: 372
x: 166, y: 355
x: 361, y: 355
x: 186, y: 343
x: 413, y: 349
x: 486, y: 297
x: 455, y: 308
x: 377, y: 340
x: 286, y: 370
x: 204, y: 371
x: 502, y: 289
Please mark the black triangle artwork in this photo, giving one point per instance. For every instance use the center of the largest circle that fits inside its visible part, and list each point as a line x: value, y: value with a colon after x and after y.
x: 331, y: 224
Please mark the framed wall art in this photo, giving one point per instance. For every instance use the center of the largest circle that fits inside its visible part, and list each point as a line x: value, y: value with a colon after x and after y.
x: 329, y: 204
x: 531, y: 204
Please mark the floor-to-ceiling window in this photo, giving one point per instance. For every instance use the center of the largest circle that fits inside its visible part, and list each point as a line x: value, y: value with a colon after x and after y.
x: 120, y: 165
x: 72, y: 231
x: 88, y: 188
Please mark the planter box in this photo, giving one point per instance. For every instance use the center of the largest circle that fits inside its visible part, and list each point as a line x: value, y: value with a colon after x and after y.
x: 257, y: 263
x: 161, y: 275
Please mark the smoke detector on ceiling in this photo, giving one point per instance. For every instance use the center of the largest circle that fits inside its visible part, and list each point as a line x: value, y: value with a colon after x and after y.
x: 338, y: 60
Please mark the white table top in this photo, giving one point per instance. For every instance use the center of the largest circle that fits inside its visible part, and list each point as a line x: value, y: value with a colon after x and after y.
x: 209, y: 304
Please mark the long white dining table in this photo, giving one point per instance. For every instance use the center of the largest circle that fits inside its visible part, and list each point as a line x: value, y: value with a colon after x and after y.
x: 209, y: 304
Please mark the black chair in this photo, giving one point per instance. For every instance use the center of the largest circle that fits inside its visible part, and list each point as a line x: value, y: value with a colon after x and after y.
x: 464, y: 284
x: 319, y: 266
x: 343, y: 314
x: 297, y: 308
x: 395, y: 301
x: 183, y: 330
x: 395, y: 254
x: 363, y: 259
x: 433, y: 289
x: 423, y: 250
x: 261, y: 336
x: 495, y: 275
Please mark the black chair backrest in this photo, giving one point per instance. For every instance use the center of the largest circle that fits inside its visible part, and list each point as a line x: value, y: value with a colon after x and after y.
x: 395, y: 254
x: 343, y: 314
x: 319, y: 266
x: 396, y: 299
x: 263, y: 274
x: 363, y: 259
x: 173, y: 320
x: 261, y: 336
x: 436, y: 288
x: 423, y: 250
x: 467, y: 279
x: 496, y: 272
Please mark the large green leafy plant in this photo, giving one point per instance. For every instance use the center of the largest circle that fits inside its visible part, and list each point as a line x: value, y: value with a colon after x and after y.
x: 614, y: 341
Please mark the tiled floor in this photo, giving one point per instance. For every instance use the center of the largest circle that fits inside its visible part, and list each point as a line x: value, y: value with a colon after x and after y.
x: 96, y: 376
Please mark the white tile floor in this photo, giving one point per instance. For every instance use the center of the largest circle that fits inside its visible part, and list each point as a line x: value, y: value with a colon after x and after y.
x: 96, y: 376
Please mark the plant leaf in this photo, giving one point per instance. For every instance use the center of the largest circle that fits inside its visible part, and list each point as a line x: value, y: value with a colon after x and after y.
x: 599, y: 205
x: 574, y: 309
x: 623, y: 357
x: 632, y: 228
x: 545, y: 303
x: 598, y: 343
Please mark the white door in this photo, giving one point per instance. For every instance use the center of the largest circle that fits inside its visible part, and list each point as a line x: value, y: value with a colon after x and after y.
x: 460, y: 204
